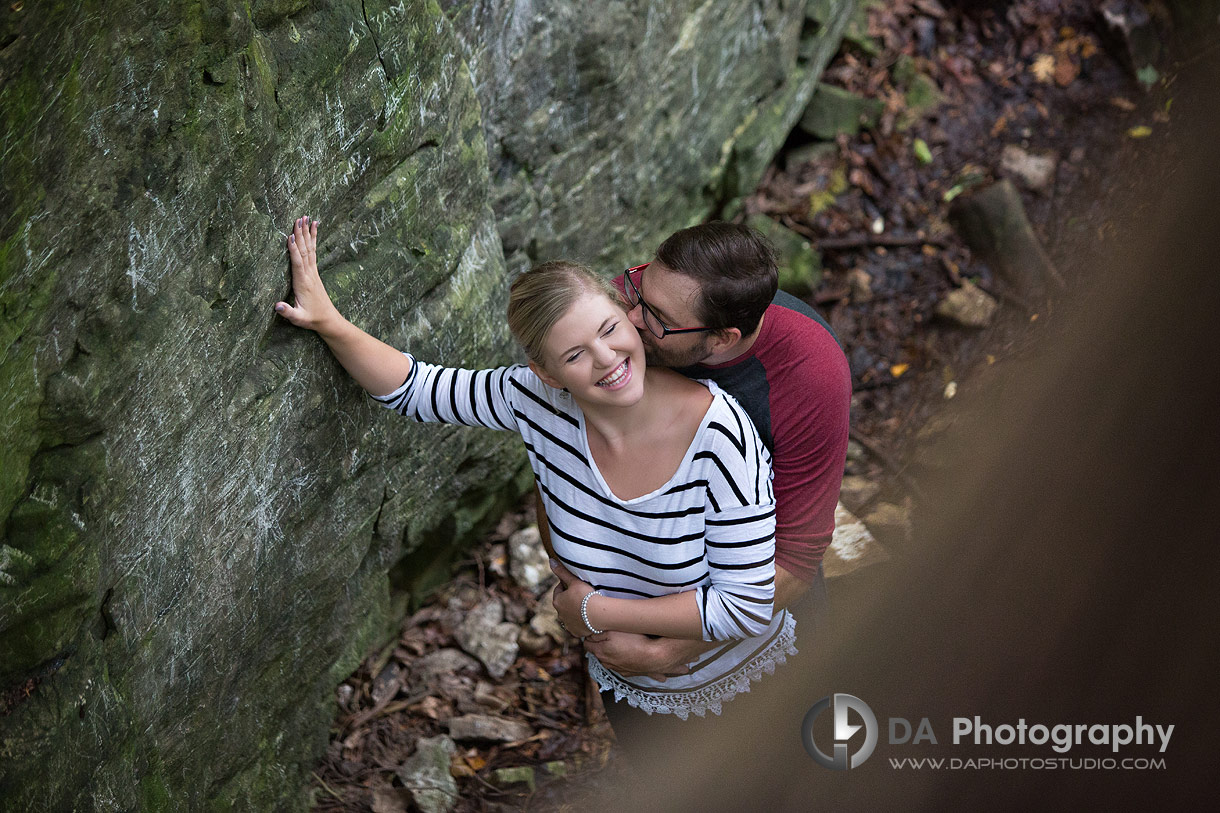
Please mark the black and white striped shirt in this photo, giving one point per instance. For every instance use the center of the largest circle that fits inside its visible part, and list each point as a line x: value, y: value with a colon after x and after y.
x: 711, y: 528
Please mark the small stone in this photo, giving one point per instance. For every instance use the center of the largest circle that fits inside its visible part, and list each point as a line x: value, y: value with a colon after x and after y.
x: 441, y: 662
x: 487, y: 727
x: 860, y: 283
x: 483, y: 634
x: 888, y: 521
x: 852, y: 546
x: 1035, y: 170
x: 391, y: 800
x: 527, y: 560
x: 533, y: 643
x: 833, y: 110
x: 968, y: 306
x: 344, y: 694
x: 857, y: 490
x: 513, y: 776
x: 387, y: 683
x: 426, y: 775
x: 810, y: 153
x: 546, y: 621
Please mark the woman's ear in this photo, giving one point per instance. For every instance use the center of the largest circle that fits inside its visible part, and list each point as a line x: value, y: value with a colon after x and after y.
x: 544, y: 376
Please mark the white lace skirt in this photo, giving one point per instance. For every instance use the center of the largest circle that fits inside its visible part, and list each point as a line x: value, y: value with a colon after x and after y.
x: 715, y: 679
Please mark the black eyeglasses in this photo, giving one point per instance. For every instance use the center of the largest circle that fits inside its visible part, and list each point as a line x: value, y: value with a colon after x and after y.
x: 653, y: 322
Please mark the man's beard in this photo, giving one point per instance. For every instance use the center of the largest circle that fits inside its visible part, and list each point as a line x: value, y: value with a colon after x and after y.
x: 657, y: 356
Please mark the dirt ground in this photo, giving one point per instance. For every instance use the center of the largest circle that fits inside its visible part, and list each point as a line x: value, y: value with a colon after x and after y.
x: 959, y: 87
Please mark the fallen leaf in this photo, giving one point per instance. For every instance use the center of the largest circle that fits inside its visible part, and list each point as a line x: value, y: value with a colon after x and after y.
x: 1141, y: 131
x: 859, y: 179
x: 1123, y: 104
x: 1043, y: 68
x: 1066, y: 71
x: 922, y: 152
x: 460, y: 769
x: 432, y: 707
x: 897, y: 370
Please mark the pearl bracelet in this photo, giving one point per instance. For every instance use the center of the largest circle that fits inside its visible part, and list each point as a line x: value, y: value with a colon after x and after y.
x: 584, y: 612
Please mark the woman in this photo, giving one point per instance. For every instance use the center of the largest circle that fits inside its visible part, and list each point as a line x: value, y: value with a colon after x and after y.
x: 657, y: 487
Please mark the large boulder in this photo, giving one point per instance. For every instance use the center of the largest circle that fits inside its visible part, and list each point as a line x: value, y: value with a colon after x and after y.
x: 204, y: 525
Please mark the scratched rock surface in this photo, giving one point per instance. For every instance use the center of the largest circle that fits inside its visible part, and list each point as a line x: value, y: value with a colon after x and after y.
x: 204, y: 525
x: 610, y: 130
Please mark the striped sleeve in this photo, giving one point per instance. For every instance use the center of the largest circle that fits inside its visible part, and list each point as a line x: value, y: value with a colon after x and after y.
x: 740, y: 529
x: 438, y: 394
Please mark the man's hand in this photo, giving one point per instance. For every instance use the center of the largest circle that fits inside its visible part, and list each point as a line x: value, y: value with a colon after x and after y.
x: 630, y: 654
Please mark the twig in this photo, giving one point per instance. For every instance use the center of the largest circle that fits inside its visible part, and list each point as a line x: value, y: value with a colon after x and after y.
x: 872, y: 240
x: 365, y: 717
x: 861, y: 240
x: 325, y: 786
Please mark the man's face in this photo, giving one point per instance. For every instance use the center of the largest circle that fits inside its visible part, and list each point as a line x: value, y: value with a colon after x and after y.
x: 672, y: 297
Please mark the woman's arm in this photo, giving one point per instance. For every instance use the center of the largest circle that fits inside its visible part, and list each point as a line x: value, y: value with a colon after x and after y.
x: 673, y: 616
x: 375, y: 365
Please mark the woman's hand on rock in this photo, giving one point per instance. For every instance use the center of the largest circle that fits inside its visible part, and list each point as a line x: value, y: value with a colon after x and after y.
x: 312, y: 308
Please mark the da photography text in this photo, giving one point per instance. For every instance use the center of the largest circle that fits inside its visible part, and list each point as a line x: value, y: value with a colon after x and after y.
x: 856, y: 732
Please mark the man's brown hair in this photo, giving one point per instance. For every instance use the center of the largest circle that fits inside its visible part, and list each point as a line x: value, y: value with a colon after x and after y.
x: 735, y: 267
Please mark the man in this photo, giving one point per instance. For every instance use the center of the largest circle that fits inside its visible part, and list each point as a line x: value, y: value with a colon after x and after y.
x: 709, y: 306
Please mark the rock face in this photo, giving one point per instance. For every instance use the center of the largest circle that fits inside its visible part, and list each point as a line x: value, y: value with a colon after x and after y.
x: 203, y: 523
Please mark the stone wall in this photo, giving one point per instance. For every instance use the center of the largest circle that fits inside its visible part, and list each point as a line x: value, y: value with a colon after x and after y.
x: 204, y: 525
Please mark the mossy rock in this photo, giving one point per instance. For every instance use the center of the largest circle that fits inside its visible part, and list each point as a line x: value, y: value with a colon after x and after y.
x: 800, y: 266
x: 833, y: 110
x: 202, y: 517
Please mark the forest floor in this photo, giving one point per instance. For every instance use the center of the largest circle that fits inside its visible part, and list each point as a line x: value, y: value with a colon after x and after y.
x: 1039, y: 91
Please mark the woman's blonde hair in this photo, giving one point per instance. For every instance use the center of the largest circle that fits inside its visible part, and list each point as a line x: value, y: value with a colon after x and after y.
x: 541, y: 296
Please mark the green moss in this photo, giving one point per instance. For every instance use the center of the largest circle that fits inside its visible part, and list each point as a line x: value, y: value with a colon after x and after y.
x: 261, y: 69
x: 836, y: 184
x: 800, y: 267
x: 35, y: 640
x: 155, y: 796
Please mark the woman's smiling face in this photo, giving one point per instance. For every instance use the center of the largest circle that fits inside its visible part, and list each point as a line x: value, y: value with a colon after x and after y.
x: 595, y: 353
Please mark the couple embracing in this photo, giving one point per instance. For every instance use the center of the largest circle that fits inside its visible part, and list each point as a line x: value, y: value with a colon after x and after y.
x: 687, y: 429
